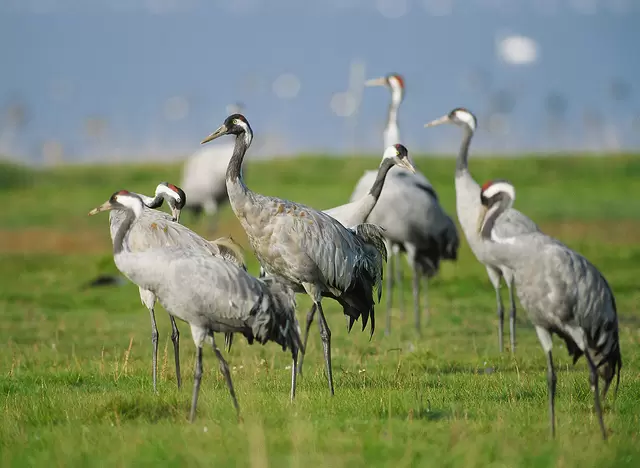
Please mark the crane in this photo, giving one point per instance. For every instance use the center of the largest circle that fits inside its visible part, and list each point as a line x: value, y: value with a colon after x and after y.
x: 203, y: 176
x: 468, y: 207
x: 307, y: 249
x: 209, y: 293
x: 421, y: 227
x: 159, y: 229
x: 563, y: 293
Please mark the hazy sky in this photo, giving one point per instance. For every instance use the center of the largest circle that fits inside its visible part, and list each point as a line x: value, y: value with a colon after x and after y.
x: 161, y: 72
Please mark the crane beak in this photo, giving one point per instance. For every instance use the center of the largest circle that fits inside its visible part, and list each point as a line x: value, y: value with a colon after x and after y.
x: 441, y: 120
x: 407, y: 165
x: 106, y: 206
x: 222, y: 130
x: 382, y: 81
x: 481, y: 216
x: 175, y: 212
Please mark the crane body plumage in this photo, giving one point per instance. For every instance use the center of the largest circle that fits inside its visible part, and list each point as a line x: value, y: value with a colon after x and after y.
x: 204, y: 290
x: 562, y: 292
x: 307, y: 249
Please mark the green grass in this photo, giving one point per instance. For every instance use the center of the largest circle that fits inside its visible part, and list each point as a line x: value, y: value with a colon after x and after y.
x: 75, y: 366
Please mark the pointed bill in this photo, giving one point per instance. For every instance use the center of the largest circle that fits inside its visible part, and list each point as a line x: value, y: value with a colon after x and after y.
x: 382, y: 81
x: 218, y: 133
x: 106, y: 206
x: 441, y: 120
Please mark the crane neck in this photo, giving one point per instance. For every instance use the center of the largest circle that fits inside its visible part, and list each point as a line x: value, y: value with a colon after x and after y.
x: 153, y: 203
x: 383, y: 170
x: 492, y: 214
x: 462, y: 164
x: 125, y: 226
x: 234, y: 170
x: 392, y: 132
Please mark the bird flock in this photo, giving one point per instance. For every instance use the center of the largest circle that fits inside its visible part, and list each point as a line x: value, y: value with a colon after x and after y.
x: 340, y: 253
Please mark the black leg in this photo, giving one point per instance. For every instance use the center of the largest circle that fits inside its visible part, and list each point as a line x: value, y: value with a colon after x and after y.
x: 175, y: 339
x: 294, y: 373
x: 224, y: 368
x: 500, y: 320
x: 398, y: 282
x: 325, y: 336
x: 197, y: 377
x: 593, y: 378
x: 551, y: 387
x: 154, y: 343
x: 389, y: 292
x: 512, y: 317
x: 425, y: 298
x: 416, y: 297
x: 310, y: 316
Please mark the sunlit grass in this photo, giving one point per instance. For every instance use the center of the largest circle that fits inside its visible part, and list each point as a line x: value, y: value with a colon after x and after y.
x: 75, y: 366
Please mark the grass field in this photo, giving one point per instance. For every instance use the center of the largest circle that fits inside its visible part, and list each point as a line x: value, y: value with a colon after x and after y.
x: 75, y: 365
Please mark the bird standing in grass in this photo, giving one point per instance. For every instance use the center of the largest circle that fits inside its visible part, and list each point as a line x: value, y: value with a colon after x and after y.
x: 209, y: 293
x: 410, y: 212
x: 158, y: 229
x: 562, y: 292
x: 307, y: 249
x: 512, y: 222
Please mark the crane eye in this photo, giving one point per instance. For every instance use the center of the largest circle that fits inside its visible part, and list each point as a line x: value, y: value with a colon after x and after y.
x: 236, y: 122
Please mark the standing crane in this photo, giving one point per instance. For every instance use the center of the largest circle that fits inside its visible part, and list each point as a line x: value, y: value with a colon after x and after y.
x: 562, y: 292
x: 203, y: 177
x: 158, y: 229
x: 411, y: 214
x: 468, y: 206
x: 209, y: 293
x: 307, y: 249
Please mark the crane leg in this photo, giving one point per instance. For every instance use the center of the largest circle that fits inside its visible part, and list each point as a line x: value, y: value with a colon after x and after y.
x: 551, y: 385
x: 494, y: 277
x: 426, y: 298
x: 310, y: 316
x: 294, y: 373
x: 228, y: 341
x: 389, y: 292
x: 224, y: 369
x: 325, y: 336
x: 398, y: 281
x: 593, y: 379
x: 197, y: 377
x: 154, y: 342
x: 547, y: 344
x: 416, y: 298
x: 512, y: 317
x: 175, y: 339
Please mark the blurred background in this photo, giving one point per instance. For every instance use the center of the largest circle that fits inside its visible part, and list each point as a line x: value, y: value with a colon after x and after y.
x: 116, y: 80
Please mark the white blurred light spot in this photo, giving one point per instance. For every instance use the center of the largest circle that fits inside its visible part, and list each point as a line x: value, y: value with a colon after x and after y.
x: 286, y: 86
x: 439, y: 7
x: 518, y: 50
x: 392, y: 9
x: 343, y: 104
x: 586, y: 7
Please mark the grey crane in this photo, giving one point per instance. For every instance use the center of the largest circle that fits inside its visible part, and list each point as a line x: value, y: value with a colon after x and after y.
x: 468, y: 207
x: 421, y: 227
x: 563, y: 293
x: 356, y: 212
x: 209, y: 293
x: 203, y: 177
x: 159, y: 229
x: 307, y: 249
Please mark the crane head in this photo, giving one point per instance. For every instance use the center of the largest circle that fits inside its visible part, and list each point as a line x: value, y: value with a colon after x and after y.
x: 121, y: 200
x: 175, y: 197
x: 393, y: 81
x: 235, y: 124
x: 458, y: 116
x: 400, y: 156
x: 495, y: 190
